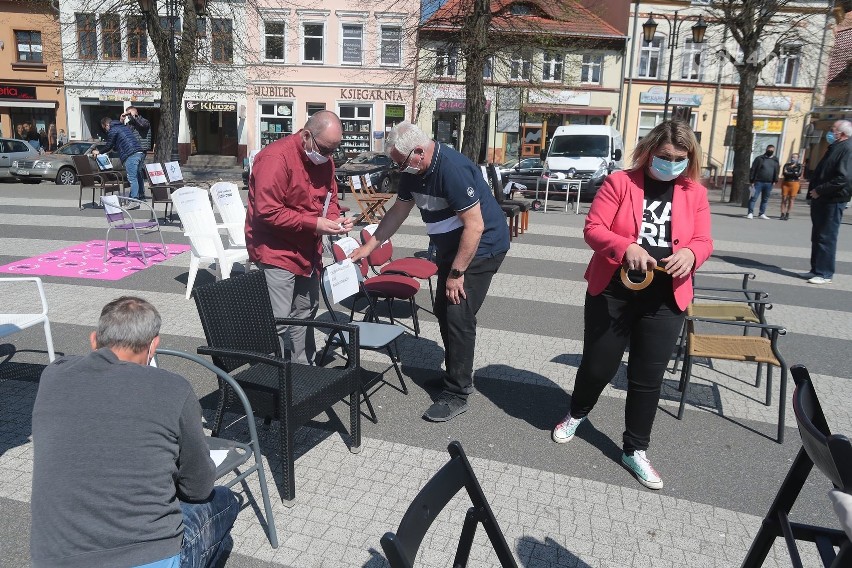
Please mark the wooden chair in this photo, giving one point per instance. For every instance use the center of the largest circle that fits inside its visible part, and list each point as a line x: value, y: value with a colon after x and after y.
x: 372, y: 205
x: 242, y: 338
x: 754, y: 349
x: 105, y: 182
x: 401, y: 547
x: 832, y: 454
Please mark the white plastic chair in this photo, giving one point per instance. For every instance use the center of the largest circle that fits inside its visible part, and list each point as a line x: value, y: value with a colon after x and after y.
x: 13, y: 323
x: 229, y: 205
x: 196, y: 214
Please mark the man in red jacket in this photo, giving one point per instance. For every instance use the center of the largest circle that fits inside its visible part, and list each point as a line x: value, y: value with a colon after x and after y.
x: 292, y: 203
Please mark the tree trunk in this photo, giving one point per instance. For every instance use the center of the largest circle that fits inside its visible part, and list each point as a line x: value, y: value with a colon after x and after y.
x: 474, y: 45
x: 169, y: 116
x: 744, y: 135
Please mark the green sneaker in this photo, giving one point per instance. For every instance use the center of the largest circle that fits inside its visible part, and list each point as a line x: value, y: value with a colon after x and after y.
x: 565, y: 430
x: 642, y: 470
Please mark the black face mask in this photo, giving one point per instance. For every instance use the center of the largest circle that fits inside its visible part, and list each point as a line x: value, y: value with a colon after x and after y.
x: 770, y: 152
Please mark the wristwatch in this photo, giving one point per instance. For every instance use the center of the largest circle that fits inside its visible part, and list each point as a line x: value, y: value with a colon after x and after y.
x: 456, y: 273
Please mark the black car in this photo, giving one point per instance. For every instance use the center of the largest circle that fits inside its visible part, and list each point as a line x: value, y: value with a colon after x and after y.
x: 383, y: 172
x: 338, y: 157
x: 524, y: 171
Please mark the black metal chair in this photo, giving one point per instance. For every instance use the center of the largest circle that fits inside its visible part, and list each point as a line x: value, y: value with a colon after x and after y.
x: 236, y: 315
x: 401, y: 547
x: 832, y: 454
x: 238, y: 452
x: 103, y: 181
x: 524, y: 206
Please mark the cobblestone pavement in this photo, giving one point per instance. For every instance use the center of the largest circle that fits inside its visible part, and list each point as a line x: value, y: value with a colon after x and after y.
x: 559, y: 506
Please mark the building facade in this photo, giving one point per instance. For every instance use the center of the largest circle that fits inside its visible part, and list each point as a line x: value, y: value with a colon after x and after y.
x: 31, y: 81
x: 704, y: 82
x: 110, y: 64
x: 351, y: 58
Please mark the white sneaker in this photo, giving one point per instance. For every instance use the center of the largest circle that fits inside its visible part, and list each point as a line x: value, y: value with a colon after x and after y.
x: 819, y: 280
x: 750, y: 216
x: 565, y: 430
x: 764, y: 216
x: 642, y: 470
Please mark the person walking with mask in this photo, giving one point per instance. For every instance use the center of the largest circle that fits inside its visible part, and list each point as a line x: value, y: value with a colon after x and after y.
x: 655, y: 215
x: 764, y: 172
x: 790, y: 185
x: 292, y: 203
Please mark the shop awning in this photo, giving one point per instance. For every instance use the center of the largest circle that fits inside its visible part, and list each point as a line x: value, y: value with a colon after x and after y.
x: 28, y: 104
x: 567, y: 109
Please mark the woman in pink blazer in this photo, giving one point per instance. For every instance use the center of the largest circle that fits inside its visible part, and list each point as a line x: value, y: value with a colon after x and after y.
x: 653, y: 218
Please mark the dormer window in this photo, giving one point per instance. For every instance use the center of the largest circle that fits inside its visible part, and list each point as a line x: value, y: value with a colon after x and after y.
x: 520, y: 9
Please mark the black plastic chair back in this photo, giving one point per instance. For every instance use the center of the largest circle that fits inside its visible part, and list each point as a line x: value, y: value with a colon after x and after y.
x: 496, y: 186
x: 401, y: 548
x: 237, y: 314
x: 832, y: 454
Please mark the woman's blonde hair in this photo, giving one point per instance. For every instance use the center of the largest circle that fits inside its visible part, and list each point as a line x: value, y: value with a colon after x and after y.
x: 676, y: 133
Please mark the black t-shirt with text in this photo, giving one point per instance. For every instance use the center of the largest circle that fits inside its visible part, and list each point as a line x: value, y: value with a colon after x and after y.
x: 656, y: 227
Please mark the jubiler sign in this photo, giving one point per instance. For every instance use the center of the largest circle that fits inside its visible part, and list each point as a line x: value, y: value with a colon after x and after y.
x: 211, y: 106
x: 371, y: 95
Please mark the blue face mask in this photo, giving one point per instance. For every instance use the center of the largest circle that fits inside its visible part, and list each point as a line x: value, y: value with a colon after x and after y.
x: 665, y: 170
x: 830, y: 137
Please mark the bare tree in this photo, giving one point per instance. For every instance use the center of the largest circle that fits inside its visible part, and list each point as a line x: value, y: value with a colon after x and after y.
x: 761, y: 29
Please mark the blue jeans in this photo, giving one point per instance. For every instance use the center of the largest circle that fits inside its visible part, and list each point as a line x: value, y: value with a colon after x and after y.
x: 761, y: 189
x: 207, y: 528
x: 825, y: 219
x: 134, y: 165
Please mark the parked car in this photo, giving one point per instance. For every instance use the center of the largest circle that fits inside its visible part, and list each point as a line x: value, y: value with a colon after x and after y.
x: 58, y: 167
x: 383, y: 172
x: 339, y: 158
x: 11, y: 151
x: 525, y: 171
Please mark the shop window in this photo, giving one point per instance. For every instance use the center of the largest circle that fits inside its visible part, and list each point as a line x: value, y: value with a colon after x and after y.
x: 87, y: 36
x: 591, y: 71
x: 352, y: 46
x: 551, y: 69
x: 28, y: 46
x: 222, y: 40
x: 648, y: 119
x: 446, y: 61
x: 357, y: 123
x: 111, y: 36
x: 276, y: 121
x: 649, y: 58
x: 391, y: 47
x: 313, y: 108
x: 394, y: 114
x: 692, y: 61
x: 274, y: 40
x: 520, y: 65
x: 314, y: 38
x: 137, y: 39
x: 788, y: 66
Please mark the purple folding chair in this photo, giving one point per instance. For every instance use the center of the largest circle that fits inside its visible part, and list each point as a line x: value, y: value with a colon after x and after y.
x: 119, y: 218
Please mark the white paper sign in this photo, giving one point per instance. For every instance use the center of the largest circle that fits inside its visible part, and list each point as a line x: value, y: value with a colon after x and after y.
x: 218, y: 456
x: 173, y: 171
x: 368, y: 181
x: 347, y: 245
x: 343, y: 277
x: 155, y: 173
x: 355, y: 182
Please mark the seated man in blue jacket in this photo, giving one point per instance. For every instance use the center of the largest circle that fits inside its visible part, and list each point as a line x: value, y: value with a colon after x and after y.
x: 122, y: 139
x: 122, y: 475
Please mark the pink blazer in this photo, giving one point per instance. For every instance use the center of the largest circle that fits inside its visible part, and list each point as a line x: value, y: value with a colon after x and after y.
x: 616, y: 215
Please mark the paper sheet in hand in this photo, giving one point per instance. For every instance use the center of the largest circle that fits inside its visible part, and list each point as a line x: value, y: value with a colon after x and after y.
x: 343, y: 278
x: 218, y: 456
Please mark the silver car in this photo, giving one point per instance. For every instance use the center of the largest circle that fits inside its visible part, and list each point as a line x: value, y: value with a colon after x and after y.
x: 58, y: 167
x: 12, y: 150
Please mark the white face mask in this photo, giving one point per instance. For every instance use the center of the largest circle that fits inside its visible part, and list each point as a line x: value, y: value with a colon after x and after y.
x: 150, y: 356
x: 315, y: 157
x: 409, y: 169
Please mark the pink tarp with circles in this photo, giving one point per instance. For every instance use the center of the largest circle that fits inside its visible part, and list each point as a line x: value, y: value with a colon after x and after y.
x: 86, y: 260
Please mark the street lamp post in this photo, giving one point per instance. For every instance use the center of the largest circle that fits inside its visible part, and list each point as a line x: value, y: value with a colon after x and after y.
x: 649, y: 28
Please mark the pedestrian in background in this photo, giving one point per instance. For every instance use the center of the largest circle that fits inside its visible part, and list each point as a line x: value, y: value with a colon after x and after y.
x: 139, y: 125
x: 655, y: 214
x: 31, y: 135
x: 790, y: 185
x: 51, y: 137
x: 19, y: 132
x: 124, y: 141
x: 830, y: 191
x: 61, y: 138
x: 764, y: 173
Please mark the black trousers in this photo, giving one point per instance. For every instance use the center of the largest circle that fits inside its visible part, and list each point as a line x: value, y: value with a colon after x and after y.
x: 650, y: 321
x: 458, y: 321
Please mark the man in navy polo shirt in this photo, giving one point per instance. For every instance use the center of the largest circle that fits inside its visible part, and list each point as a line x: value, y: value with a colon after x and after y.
x: 470, y: 233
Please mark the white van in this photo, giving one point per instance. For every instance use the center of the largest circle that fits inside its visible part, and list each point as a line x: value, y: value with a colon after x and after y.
x: 585, y: 152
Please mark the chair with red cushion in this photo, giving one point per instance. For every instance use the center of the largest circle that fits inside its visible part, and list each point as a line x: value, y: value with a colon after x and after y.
x: 389, y: 287
x: 382, y: 262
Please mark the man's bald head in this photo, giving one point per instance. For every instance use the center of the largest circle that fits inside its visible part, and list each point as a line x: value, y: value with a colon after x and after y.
x: 321, y: 121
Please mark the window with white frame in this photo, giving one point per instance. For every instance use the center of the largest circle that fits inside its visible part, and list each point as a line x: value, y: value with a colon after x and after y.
x: 649, y: 58
x: 648, y: 119
x: 28, y: 46
x: 313, y: 34
x: 551, y: 67
x: 352, y: 44
x: 520, y: 65
x: 274, y: 38
x: 591, y: 71
x: 788, y: 65
x: 692, y: 61
x: 446, y: 61
x: 390, y: 50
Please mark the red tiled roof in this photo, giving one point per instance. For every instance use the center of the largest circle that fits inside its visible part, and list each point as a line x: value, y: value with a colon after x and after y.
x: 841, y: 53
x: 561, y: 17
